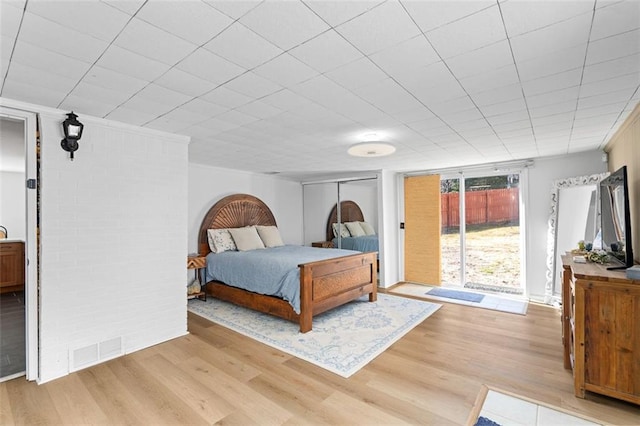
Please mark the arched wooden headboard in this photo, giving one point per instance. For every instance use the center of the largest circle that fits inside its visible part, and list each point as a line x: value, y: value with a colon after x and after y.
x: 234, y: 211
x: 349, y: 212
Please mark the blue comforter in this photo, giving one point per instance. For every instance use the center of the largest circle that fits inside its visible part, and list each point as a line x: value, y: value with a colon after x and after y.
x: 363, y: 244
x: 273, y: 271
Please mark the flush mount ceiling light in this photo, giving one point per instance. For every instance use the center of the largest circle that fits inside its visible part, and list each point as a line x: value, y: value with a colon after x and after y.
x: 371, y: 149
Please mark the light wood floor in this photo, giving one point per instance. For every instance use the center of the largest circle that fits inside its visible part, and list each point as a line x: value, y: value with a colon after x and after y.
x: 213, y: 375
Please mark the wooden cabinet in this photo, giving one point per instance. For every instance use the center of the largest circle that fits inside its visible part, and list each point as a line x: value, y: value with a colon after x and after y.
x: 11, y: 266
x: 601, y: 330
x: 198, y: 263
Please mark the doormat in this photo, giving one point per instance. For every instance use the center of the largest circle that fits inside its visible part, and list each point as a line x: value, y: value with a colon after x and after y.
x: 455, y: 294
x: 512, y: 305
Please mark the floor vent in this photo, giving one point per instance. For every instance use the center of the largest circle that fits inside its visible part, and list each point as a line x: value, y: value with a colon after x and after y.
x: 96, y: 353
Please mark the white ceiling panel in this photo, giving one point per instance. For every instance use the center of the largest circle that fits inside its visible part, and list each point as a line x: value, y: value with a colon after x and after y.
x: 485, y: 59
x: 472, y: 32
x: 285, y: 70
x: 614, y: 47
x: 380, y: 28
x: 526, y: 16
x: 356, y: 74
x: 233, y: 8
x: 270, y: 85
x: 327, y: 51
x: 406, y: 57
x: 284, y: 23
x: 553, y: 63
x: 204, y: 22
x: 615, y: 19
x: 184, y: 82
x: 44, y: 59
x: 563, y: 35
x: 93, y: 18
x: 252, y: 85
x: 50, y: 35
x: 130, y: 7
x: 337, y: 12
x: 153, y: 42
x: 433, y: 14
x: 128, y: 63
x: 611, y: 69
x: 242, y: 46
x: 210, y: 67
x: 10, y: 18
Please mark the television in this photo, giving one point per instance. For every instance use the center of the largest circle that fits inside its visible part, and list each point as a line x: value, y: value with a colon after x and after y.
x: 615, y: 218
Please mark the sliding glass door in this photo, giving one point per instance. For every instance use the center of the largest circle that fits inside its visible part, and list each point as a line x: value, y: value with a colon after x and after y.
x: 483, y: 250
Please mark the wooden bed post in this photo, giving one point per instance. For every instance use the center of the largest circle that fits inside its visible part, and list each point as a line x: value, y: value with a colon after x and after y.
x: 306, y: 301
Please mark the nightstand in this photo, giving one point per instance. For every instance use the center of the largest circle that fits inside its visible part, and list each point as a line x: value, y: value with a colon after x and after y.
x: 197, y: 263
x: 322, y: 244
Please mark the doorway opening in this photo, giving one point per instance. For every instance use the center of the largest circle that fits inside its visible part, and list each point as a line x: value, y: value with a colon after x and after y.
x: 480, y: 232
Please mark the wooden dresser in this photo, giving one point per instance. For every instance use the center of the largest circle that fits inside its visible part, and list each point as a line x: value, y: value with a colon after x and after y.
x: 601, y: 330
x: 11, y: 266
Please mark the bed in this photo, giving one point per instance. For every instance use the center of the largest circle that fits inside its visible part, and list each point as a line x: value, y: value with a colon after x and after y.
x: 323, y: 284
x: 350, y: 212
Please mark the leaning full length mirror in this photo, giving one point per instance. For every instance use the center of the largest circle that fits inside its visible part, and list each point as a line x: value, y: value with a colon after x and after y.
x: 573, y: 218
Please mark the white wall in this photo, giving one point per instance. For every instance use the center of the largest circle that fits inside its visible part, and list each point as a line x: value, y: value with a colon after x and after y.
x: 207, y: 185
x: 113, y: 239
x: 12, y: 204
x: 541, y: 177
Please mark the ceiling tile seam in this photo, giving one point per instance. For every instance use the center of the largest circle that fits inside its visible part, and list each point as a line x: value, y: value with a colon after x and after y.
x: 171, y: 67
x: 515, y: 64
x: 455, y: 20
x: 584, y: 64
x: 458, y: 81
x: 554, y: 23
x: 342, y: 23
x: 242, y: 16
x: 100, y: 56
x: 13, y: 48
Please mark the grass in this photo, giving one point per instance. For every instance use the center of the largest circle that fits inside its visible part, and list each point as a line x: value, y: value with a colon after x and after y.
x: 493, y: 255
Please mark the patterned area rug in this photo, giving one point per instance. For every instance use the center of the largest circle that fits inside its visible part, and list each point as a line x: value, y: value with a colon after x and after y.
x: 343, y: 340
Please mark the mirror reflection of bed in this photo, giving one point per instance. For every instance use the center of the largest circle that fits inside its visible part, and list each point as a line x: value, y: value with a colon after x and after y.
x: 355, y: 233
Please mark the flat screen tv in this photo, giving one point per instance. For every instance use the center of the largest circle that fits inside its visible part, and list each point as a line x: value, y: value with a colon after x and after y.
x: 616, y: 219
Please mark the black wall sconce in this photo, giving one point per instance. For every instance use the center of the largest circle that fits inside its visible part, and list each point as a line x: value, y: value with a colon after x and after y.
x: 72, y: 133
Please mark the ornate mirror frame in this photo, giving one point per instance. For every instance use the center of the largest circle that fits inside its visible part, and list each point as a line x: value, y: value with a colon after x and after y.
x: 552, y: 231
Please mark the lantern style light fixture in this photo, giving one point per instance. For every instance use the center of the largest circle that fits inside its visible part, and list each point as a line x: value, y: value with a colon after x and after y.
x: 72, y: 133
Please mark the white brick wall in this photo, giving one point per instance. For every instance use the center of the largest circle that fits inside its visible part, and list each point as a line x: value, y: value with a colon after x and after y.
x: 113, y: 239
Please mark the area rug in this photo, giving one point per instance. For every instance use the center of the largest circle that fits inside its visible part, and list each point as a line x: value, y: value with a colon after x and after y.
x: 343, y: 340
x: 455, y: 294
x: 511, y: 305
x: 496, y: 407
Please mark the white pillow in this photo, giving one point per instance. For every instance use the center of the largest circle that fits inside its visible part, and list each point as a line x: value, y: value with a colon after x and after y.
x: 220, y: 240
x: 355, y: 229
x: 270, y: 236
x: 344, y: 231
x: 246, y: 238
x: 367, y: 228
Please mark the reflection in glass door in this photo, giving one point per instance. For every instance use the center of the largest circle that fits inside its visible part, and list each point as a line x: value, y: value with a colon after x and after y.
x: 483, y: 251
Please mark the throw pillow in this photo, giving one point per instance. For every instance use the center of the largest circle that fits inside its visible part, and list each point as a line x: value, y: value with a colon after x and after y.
x: 344, y: 231
x: 367, y: 228
x: 355, y: 229
x: 246, y: 238
x: 220, y: 240
x: 270, y: 236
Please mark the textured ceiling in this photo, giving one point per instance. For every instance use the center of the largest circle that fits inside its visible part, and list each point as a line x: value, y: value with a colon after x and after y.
x: 288, y: 86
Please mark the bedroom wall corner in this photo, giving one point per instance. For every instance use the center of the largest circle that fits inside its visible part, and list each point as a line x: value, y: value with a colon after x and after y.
x: 113, y: 241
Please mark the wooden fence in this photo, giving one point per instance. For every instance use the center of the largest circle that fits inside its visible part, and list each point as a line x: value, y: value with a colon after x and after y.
x: 492, y: 206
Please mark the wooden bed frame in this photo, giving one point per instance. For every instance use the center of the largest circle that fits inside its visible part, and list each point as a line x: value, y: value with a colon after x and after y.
x: 323, y: 285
